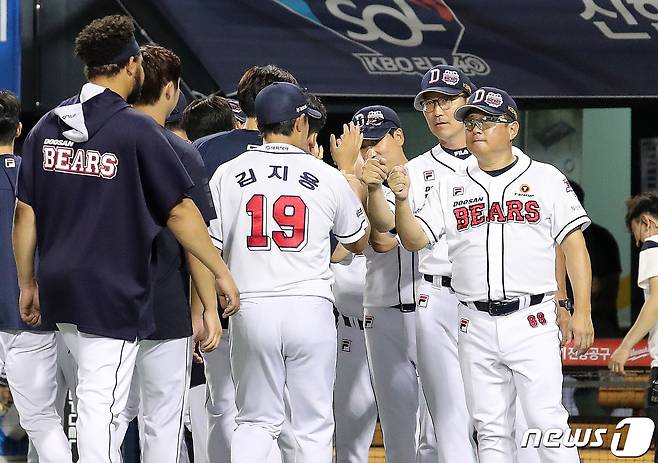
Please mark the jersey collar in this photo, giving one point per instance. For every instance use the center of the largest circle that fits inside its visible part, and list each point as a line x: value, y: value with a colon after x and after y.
x: 281, y: 148
x: 447, y: 158
x: 521, y: 166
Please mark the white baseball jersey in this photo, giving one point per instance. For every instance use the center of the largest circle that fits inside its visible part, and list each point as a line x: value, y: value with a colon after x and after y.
x: 425, y: 171
x: 391, y: 277
x: 349, y: 281
x: 501, y: 230
x: 648, y: 269
x: 276, y: 205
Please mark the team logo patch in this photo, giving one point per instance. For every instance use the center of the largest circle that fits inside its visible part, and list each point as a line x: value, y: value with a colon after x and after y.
x: 428, y: 175
x: 450, y: 77
x: 346, y: 345
x: 458, y: 191
x: 525, y: 188
x: 463, y: 325
x: 375, y: 118
x: 9, y: 162
x: 422, y: 300
x: 368, y: 321
x: 495, y: 100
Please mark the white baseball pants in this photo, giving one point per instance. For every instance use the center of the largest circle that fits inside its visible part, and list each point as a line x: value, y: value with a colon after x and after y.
x: 29, y: 359
x: 196, y: 401
x: 221, y: 411
x: 278, y: 343
x: 406, y: 425
x: 502, y: 357
x: 438, y: 369
x: 355, y: 409
x: 158, y: 395
x: 105, y: 370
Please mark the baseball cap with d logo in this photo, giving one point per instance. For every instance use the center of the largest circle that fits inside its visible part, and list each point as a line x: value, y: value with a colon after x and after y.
x: 376, y: 121
x: 489, y: 100
x: 447, y: 80
x: 282, y: 101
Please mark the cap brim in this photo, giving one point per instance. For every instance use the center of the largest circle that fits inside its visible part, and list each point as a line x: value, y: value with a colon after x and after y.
x: 462, y: 111
x: 375, y: 133
x: 314, y: 113
x: 450, y: 91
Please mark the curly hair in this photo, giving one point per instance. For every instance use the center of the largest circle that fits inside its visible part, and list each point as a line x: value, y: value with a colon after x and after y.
x: 206, y: 116
x: 254, y: 80
x: 10, y: 110
x: 161, y: 66
x: 100, y: 41
x: 643, y: 203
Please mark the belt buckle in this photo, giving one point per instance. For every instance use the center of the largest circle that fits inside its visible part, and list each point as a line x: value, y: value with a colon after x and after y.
x: 496, y: 307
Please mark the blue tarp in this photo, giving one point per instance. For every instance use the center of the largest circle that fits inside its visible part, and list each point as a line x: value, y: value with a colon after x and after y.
x: 538, y: 48
x: 10, y: 46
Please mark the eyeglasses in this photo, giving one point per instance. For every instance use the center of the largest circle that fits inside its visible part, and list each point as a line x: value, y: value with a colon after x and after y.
x: 443, y: 103
x: 484, y: 123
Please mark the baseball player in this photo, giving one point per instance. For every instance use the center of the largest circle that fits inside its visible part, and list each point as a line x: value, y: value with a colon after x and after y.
x: 642, y: 221
x: 174, y: 121
x: 93, y: 170
x: 355, y: 409
x: 164, y: 359
x: 276, y: 205
x: 502, y: 219
x: 443, y: 89
x: 391, y: 281
x: 216, y: 149
x: 28, y: 357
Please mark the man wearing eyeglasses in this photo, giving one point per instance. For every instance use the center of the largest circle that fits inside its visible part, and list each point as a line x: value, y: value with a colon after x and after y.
x: 502, y: 220
x: 443, y: 90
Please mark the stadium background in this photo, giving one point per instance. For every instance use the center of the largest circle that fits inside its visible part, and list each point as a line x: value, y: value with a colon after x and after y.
x: 593, y: 116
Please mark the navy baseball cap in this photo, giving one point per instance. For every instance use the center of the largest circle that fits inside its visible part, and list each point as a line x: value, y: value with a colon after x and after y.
x: 489, y: 100
x: 237, y: 110
x: 177, y: 114
x: 444, y: 79
x: 282, y: 101
x: 376, y: 121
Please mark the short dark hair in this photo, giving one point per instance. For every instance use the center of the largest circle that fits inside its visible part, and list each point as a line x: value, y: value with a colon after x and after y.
x: 161, y: 66
x: 10, y: 110
x: 278, y: 128
x: 580, y: 193
x: 643, y: 203
x: 254, y: 80
x: 208, y: 115
x: 102, y: 40
x: 314, y: 102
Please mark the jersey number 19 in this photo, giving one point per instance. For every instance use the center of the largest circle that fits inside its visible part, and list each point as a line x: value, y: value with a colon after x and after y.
x: 290, y: 214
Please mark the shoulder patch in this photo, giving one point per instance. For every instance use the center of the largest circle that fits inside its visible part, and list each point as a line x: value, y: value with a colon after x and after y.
x: 10, y: 162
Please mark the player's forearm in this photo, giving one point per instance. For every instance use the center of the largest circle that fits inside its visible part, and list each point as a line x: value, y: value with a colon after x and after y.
x: 560, y: 274
x: 645, y: 322
x: 382, y: 242
x: 24, y: 242
x: 381, y: 217
x: 340, y: 253
x: 204, y: 295
x: 579, y: 270
x: 187, y: 225
x: 412, y: 236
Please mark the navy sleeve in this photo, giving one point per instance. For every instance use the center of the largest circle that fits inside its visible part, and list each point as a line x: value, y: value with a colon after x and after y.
x: 200, y: 193
x: 25, y: 183
x: 163, y: 177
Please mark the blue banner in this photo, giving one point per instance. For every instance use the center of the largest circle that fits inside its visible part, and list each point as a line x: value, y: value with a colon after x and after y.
x: 10, y: 46
x: 538, y: 48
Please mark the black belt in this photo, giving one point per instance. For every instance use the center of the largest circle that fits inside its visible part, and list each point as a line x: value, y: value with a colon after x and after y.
x: 405, y: 307
x: 498, y: 308
x: 349, y: 323
x: 445, y: 281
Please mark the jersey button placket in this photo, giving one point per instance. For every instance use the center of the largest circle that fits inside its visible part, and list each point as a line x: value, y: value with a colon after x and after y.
x: 495, y: 244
